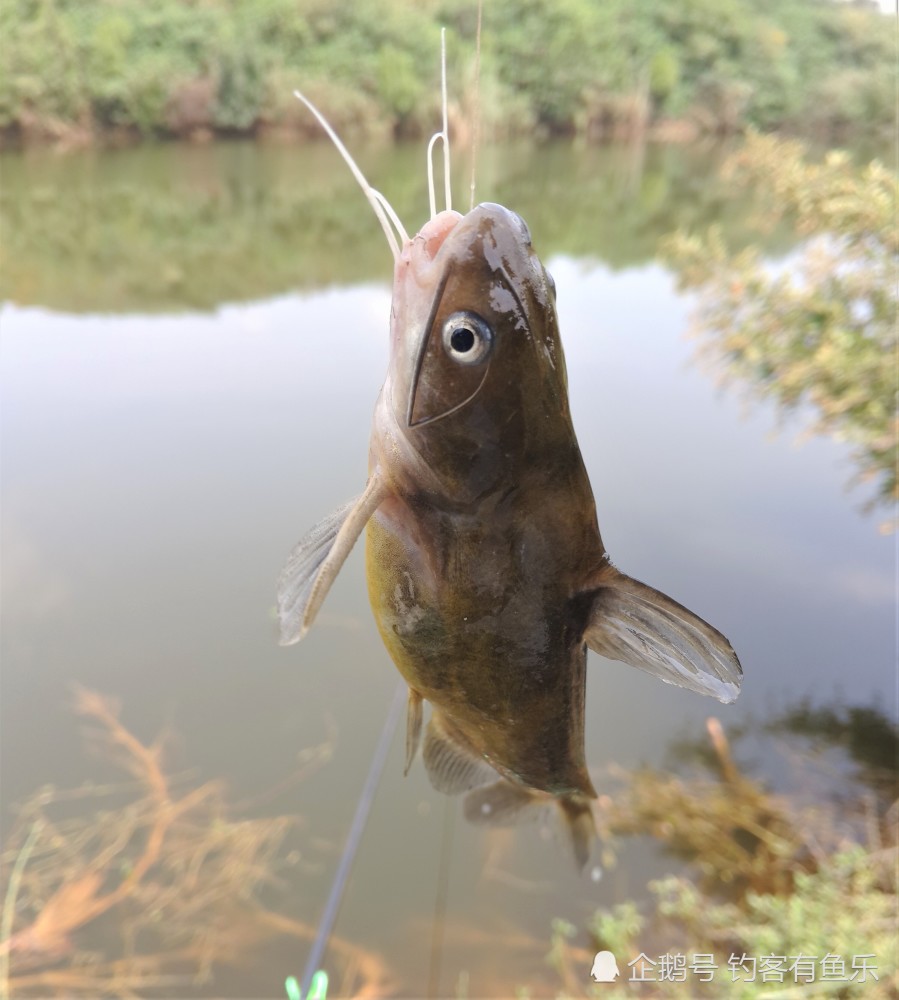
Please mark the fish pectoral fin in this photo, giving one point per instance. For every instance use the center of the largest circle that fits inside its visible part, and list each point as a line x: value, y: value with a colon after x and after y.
x: 413, y: 727
x: 647, y: 629
x: 506, y: 804
x: 315, y: 561
x: 452, y: 768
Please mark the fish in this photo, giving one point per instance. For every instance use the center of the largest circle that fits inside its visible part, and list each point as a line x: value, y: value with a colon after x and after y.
x: 487, y: 575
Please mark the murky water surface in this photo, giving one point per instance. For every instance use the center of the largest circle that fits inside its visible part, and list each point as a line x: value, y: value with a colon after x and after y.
x: 192, y: 344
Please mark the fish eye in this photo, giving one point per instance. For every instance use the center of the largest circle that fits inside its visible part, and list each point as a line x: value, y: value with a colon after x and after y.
x: 551, y: 282
x: 467, y: 338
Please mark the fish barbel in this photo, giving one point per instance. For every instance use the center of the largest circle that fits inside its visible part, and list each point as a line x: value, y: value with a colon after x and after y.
x: 486, y: 571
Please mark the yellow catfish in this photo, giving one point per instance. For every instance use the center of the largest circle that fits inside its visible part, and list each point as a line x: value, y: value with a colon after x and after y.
x: 487, y: 575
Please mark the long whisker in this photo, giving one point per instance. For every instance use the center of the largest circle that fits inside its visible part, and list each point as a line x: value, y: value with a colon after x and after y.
x: 432, y: 197
x: 388, y: 208
x: 382, y: 209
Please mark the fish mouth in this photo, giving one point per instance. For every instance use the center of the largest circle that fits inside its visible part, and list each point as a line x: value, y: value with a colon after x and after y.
x: 430, y: 239
x: 433, y: 234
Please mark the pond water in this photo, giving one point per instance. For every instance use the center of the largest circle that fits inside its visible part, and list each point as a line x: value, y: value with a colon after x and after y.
x: 192, y: 343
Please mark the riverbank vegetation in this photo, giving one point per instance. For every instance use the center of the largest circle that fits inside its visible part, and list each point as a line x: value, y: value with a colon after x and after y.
x: 74, y: 71
x: 787, y: 891
x: 822, y: 330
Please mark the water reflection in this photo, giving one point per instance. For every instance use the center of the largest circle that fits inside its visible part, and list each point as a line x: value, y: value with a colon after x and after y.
x: 164, y: 228
x: 868, y: 738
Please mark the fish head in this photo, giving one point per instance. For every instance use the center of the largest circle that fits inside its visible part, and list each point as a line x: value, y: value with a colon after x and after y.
x: 477, y: 383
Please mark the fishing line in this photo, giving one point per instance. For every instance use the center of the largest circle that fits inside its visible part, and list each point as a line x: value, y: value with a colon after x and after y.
x: 477, y: 103
x: 354, y: 837
x: 447, y: 184
x: 437, y: 927
x: 444, y: 136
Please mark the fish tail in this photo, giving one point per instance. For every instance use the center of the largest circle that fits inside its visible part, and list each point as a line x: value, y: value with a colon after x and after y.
x: 577, y: 812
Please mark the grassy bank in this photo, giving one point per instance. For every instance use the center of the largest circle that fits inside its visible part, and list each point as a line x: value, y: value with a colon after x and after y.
x: 774, y: 893
x: 76, y: 71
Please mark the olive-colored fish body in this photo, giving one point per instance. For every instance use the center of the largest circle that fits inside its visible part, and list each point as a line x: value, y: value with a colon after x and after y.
x: 486, y: 571
x: 481, y: 617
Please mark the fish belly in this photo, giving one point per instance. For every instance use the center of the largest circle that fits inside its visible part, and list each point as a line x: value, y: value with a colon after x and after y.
x: 472, y: 635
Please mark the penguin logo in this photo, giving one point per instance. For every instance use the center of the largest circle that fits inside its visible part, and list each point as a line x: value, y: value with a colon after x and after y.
x: 605, y: 968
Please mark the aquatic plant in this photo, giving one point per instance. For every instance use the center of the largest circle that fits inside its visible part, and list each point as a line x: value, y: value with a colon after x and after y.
x: 156, y: 887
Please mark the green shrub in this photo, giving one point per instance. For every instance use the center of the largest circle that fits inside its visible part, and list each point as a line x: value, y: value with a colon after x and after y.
x: 845, y: 909
x: 819, y: 331
x: 559, y: 65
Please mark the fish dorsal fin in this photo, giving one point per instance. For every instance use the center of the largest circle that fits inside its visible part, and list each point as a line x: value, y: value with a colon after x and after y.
x: 315, y: 561
x: 647, y: 629
x: 413, y: 727
x: 452, y: 768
